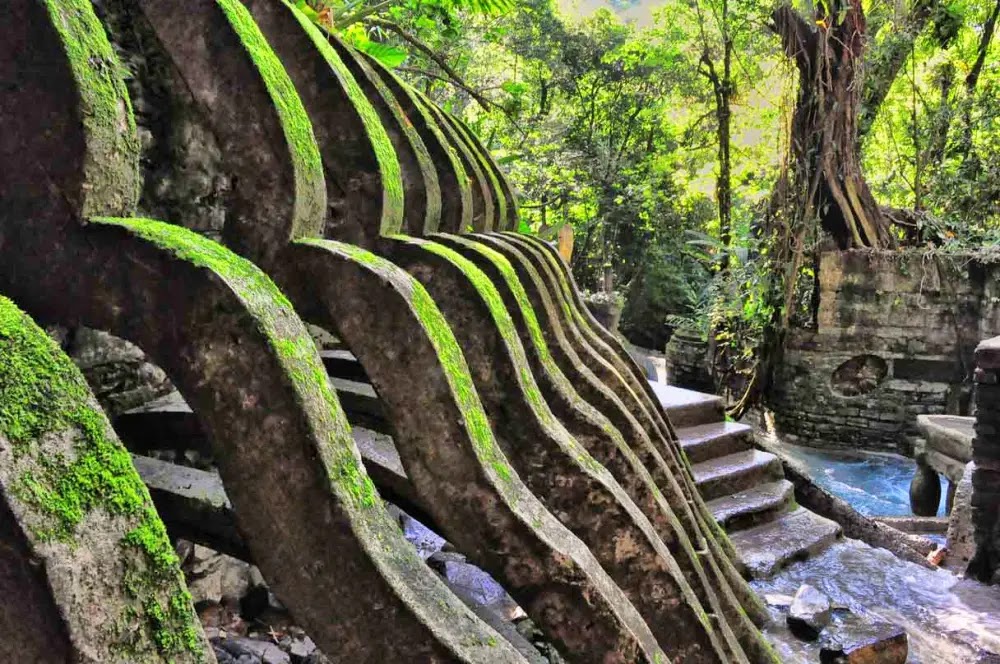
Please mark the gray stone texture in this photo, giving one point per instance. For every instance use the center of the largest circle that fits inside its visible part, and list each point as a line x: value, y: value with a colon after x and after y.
x: 894, y: 340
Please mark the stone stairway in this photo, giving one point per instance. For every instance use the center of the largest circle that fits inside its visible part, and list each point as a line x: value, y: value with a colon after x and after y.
x: 745, y: 488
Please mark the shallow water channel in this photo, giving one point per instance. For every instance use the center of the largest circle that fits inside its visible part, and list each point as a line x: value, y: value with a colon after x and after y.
x: 874, y: 483
x: 947, y: 619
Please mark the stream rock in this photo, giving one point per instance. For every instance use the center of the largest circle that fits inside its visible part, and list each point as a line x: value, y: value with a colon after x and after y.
x: 241, y: 650
x: 865, y: 642
x: 809, y: 613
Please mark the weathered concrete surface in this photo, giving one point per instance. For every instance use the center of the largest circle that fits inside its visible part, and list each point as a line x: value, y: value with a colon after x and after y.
x: 363, y: 174
x: 220, y: 329
x: 398, y: 334
x: 193, y: 505
x: 570, y: 482
x: 611, y: 361
x: 86, y: 566
x: 793, y: 536
x: 482, y: 197
x: 909, y: 320
x: 961, y: 530
x: 279, y: 194
x: 424, y: 202
x: 509, y: 221
x: 985, y: 565
x: 557, y: 331
x: 475, y: 150
x: 736, y: 472
x: 694, y: 515
x: 613, y: 626
x: 583, y: 421
x: 456, y: 192
x: 950, y: 436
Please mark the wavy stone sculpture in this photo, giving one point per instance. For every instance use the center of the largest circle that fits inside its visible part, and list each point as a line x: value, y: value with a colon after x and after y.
x: 226, y: 336
x: 553, y: 574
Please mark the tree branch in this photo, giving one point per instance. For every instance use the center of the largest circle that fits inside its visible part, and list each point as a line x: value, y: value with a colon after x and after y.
x: 437, y: 59
x: 798, y: 37
x: 885, y: 61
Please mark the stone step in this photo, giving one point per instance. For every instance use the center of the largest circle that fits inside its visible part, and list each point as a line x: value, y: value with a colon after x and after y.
x: 735, y: 472
x: 709, y: 441
x: 168, y: 423
x: 687, y: 408
x: 754, y: 506
x: 793, y: 536
x: 342, y: 364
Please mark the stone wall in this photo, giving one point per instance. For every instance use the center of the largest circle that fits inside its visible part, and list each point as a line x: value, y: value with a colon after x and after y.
x: 894, y: 338
x: 985, y: 565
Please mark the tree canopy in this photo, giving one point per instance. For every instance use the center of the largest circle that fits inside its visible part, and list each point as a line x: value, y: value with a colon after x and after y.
x: 703, y: 151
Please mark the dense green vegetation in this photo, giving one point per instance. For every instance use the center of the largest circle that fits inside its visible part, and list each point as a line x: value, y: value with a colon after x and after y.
x: 705, y: 152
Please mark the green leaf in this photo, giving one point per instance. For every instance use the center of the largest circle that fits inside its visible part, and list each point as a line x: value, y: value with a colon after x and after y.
x: 390, y: 56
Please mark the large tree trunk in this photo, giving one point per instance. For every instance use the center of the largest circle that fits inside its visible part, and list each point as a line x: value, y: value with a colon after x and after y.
x: 823, y: 178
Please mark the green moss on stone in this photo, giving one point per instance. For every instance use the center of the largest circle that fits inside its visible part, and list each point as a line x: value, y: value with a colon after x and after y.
x: 42, y: 393
x: 457, y: 372
x: 505, y: 326
x: 483, y: 160
x: 465, y: 155
x: 424, y: 106
x: 286, y: 334
x: 389, y: 169
x: 112, y: 162
x: 447, y: 349
x: 310, y: 185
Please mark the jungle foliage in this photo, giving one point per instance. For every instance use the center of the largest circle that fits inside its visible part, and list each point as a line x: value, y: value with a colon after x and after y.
x: 704, y: 151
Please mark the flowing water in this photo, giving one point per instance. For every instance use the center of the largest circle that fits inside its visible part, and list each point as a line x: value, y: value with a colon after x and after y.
x: 948, y: 619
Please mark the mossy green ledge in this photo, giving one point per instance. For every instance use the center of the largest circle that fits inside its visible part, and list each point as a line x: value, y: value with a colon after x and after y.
x: 590, y: 426
x: 264, y: 132
x: 87, y: 558
x: 235, y: 348
x: 358, y: 158
x: 668, y: 508
x: 390, y: 322
x: 696, y: 517
x: 456, y: 192
x: 554, y: 466
x: 421, y: 186
x: 482, y: 198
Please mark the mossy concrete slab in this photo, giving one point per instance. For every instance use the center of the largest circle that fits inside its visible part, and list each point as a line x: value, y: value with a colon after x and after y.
x: 667, y: 481
x: 498, y: 214
x: 557, y: 468
x: 364, y: 180
x: 456, y: 189
x: 511, y: 215
x: 422, y: 183
x: 482, y: 196
x: 257, y: 116
x: 595, y: 432
x: 693, y: 514
x: 86, y: 566
x: 226, y: 337
x: 389, y: 321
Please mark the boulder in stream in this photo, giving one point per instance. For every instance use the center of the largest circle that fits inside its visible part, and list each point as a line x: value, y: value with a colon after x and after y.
x: 865, y: 642
x: 809, y: 613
